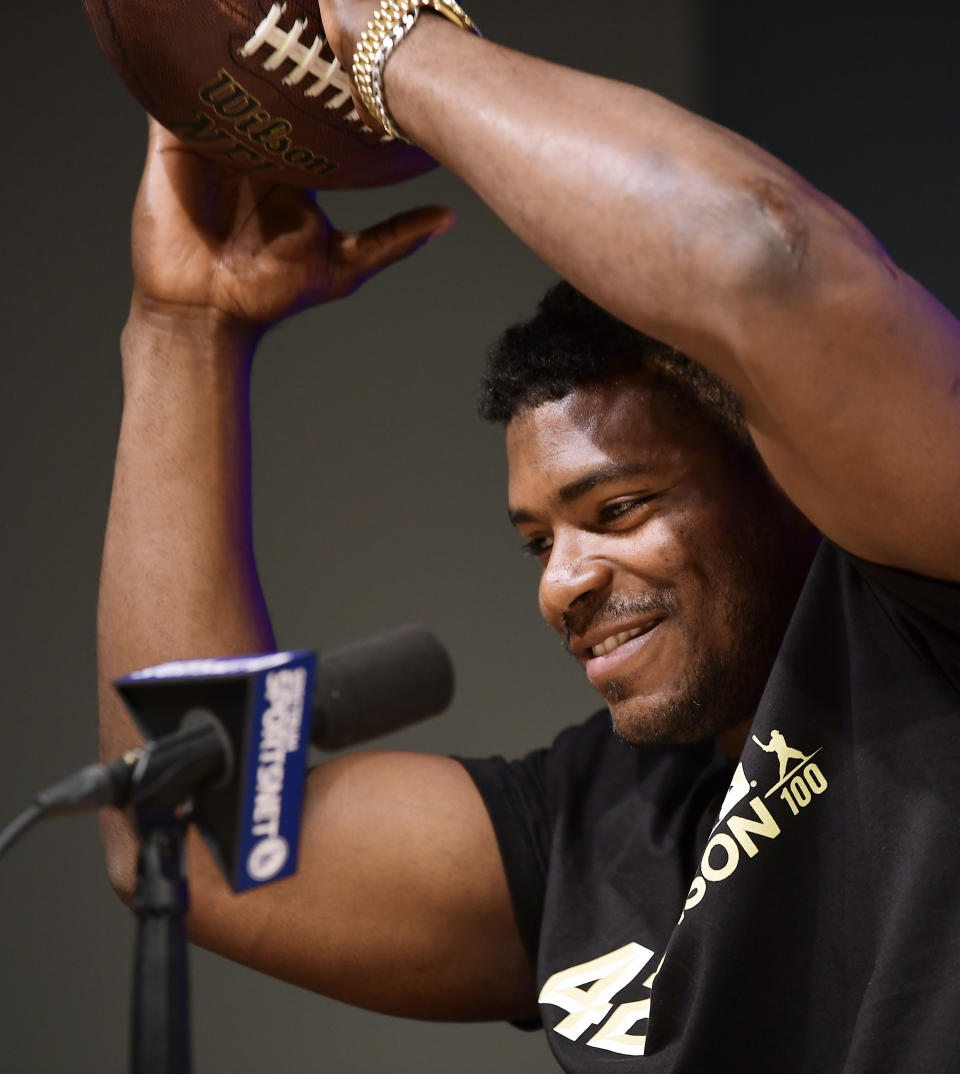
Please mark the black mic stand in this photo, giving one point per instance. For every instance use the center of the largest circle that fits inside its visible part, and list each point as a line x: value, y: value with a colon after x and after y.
x: 220, y: 708
x: 160, y: 1026
x: 164, y: 780
x: 185, y: 775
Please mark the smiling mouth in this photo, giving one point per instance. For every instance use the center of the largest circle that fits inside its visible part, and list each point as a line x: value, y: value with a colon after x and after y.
x: 616, y: 640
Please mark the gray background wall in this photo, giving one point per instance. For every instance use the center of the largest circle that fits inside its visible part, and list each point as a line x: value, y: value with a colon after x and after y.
x: 379, y: 496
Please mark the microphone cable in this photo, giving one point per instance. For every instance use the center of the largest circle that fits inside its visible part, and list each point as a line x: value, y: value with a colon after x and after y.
x: 19, y: 825
x: 92, y: 786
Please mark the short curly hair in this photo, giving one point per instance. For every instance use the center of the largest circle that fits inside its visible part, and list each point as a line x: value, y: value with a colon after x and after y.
x: 571, y: 342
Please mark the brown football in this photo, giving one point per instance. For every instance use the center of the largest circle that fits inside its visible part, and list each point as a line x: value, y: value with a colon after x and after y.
x: 252, y: 84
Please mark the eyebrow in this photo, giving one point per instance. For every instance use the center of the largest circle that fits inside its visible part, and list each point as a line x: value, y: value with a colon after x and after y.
x: 573, y: 490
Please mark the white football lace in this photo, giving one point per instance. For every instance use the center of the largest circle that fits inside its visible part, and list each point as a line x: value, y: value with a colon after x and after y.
x: 286, y: 45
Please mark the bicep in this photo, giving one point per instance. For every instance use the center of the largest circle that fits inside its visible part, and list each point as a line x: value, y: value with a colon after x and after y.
x: 850, y: 376
x: 400, y: 903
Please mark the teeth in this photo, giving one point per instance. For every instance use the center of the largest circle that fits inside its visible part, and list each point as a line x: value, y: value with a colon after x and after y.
x: 615, y: 641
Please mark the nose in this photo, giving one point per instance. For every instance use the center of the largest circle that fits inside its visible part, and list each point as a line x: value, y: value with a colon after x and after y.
x: 573, y: 570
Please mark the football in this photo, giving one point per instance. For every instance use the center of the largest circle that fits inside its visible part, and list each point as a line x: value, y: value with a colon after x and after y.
x: 252, y: 84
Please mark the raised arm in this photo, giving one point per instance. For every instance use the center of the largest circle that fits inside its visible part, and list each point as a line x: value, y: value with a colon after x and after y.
x: 400, y: 871
x: 849, y: 371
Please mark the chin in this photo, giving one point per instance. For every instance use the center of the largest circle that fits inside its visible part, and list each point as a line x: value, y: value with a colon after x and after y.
x: 680, y: 717
x: 660, y: 726
x: 707, y: 683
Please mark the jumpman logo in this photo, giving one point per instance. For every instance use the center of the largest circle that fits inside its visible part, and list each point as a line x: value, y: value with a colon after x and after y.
x: 778, y: 745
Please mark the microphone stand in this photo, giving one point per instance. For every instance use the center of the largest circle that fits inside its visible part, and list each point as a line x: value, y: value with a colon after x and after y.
x: 160, y: 1027
x: 165, y: 784
x: 164, y: 779
x: 220, y: 707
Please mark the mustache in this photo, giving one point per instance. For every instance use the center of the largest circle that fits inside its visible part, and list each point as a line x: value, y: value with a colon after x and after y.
x: 614, y: 609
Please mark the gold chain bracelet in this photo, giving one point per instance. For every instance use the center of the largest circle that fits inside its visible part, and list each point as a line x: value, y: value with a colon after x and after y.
x: 393, y: 19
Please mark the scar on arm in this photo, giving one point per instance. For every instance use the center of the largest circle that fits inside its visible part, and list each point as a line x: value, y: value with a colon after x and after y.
x: 788, y: 231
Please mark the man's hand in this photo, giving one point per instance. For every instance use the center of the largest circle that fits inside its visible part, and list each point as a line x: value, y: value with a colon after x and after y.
x: 251, y: 250
x: 343, y: 23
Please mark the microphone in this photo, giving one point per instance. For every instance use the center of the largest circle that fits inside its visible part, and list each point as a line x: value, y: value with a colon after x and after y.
x: 381, y: 684
x: 230, y: 731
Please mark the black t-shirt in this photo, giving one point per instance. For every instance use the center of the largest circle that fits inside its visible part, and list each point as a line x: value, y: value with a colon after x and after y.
x: 815, y: 926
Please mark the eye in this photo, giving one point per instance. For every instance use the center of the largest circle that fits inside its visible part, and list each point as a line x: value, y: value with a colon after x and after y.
x: 617, y: 509
x: 537, y: 546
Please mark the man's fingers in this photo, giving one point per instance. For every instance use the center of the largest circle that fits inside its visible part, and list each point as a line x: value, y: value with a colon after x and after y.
x: 154, y: 131
x: 373, y: 249
x: 159, y: 138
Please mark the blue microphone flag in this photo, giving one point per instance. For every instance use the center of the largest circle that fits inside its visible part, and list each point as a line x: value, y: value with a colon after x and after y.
x: 251, y: 819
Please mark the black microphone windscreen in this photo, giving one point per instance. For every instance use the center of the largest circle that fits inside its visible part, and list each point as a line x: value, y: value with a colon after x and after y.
x: 378, y: 685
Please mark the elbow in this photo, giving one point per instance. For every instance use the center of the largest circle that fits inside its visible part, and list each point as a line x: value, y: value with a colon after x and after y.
x: 798, y: 243
x: 120, y: 855
x: 775, y: 244
x: 801, y: 254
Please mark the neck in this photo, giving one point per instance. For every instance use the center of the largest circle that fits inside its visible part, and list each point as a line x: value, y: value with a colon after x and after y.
x: 734, y: 739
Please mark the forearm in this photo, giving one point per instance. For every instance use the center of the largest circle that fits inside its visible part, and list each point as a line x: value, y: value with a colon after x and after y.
x: 661, y: 216
x: 701, y: 239
x: 178, y: 577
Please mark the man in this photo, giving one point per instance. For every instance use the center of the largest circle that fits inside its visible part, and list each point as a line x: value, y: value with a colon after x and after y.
x: 816, y: 931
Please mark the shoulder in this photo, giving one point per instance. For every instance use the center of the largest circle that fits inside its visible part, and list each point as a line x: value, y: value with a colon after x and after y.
x: 854, y: 610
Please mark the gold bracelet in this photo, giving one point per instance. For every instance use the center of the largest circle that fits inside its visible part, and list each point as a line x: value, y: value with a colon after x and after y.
x: 384, y: 32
